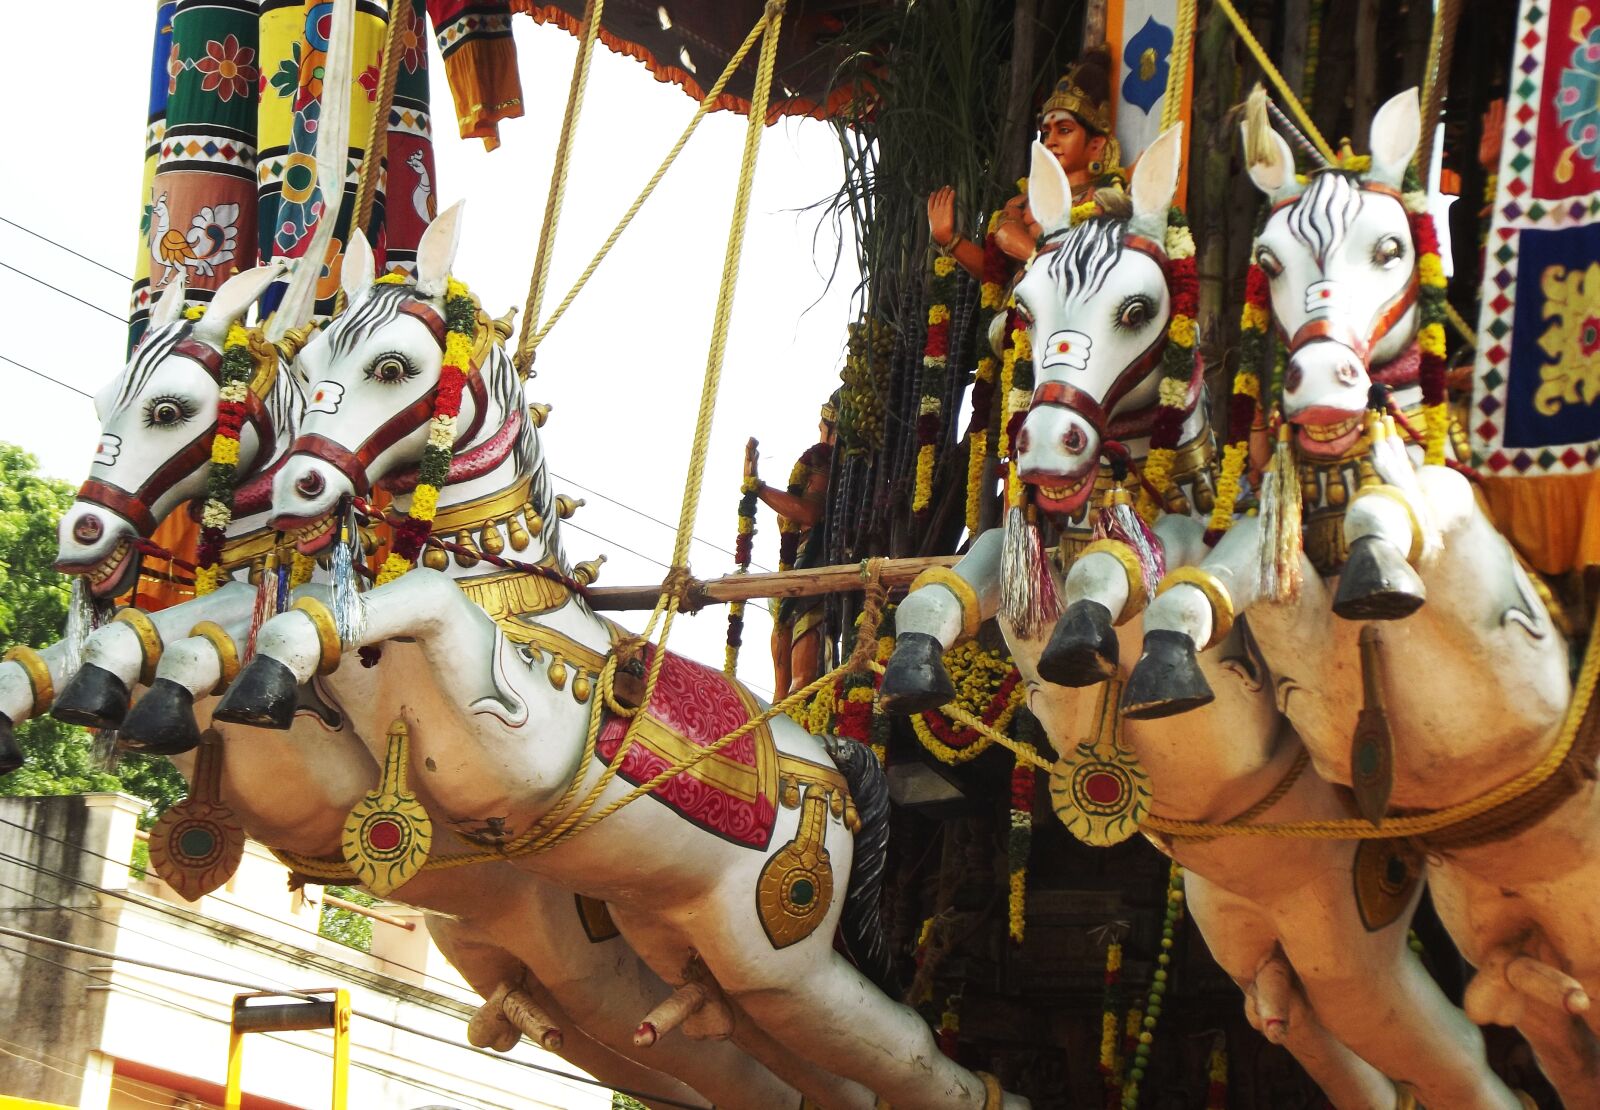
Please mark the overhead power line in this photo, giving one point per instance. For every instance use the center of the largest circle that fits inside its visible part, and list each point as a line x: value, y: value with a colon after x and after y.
x: 64, y: 293
x: 46, y: 377
x: 64, y: 247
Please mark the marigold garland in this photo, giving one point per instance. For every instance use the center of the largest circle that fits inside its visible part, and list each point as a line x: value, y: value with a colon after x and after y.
x: 1430, y: 336
x: 949, y: 1026
x: 743, y: 546
x: 410, y: 535
x: 935, y: 377
x: 992, y: 301
x: 1217, y: 1078
x: 1245, y: 400
x: 1020, y: 840
x: 1110, y: 1004
x: 988, y: 686
x: 1158, y: 988
x: 1177, y: 363
x: 238, y: 368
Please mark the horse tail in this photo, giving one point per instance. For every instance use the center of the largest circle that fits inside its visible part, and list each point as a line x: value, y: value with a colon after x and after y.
x: 861, y: 923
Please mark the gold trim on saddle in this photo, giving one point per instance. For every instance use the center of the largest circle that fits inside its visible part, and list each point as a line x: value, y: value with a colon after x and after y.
x: 150, y: 644
x: 321, y: 618
x: 961, y: 589
x: 1398, y: 496
x: 227, y: 652
x: 516, y: 593
x: 1122, y: 553
x: 1216, y: 593
x: 38, y: 672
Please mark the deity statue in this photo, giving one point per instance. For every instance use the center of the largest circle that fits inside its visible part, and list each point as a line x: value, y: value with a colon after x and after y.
x: 800, y: 645
x: 1075, y: 125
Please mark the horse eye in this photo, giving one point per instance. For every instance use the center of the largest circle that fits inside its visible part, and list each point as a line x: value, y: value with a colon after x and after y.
x: 164, y: 412
x: 1135, y: 313
x: 391, y: 368
x: 1023, y: 314
x: 1269, y: 263
x: 1388, y: 251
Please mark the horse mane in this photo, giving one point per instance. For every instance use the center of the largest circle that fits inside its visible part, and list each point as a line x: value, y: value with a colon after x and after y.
x: 1088, y: 253
x: 504, y: 386
x: 156, y: 345
x: 1320, y: 217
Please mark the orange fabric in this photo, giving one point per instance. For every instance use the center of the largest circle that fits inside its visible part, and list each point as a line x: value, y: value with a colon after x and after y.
x: 1553, y: 520
x: 160, y: 585
x: 483, y: 79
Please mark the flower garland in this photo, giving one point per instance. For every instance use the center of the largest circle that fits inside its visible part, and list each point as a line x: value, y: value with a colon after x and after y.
x: 1430, y: 337
x: 992, y: 299
x: 949, y: 1026
x: 1158, y: 988
x: 935, y: 372
x: 1217, y: 1077
x: 743, y: 546
x: 848, y: 707
x: 1108, y: 1020
x: 1177, y: 363
x: 1020, y: 840
x: 988, y: 686
x: 814, y: 460
x: 1245, y: 400
x: 238, y: 367
x: 461, y: 325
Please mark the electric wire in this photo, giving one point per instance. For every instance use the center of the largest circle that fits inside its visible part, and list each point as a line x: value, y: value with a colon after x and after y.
x: 64, y: 293
x: 647, y: 516
x: 46, y: 377
x: 62, y: 246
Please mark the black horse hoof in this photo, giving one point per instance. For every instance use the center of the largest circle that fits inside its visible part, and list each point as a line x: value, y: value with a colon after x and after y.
x: 95, y: 698
x: 163, y: 722
x: 1167, y: 679
x: 263, y: 695
x: 1377, y: 584
x: 1083, y: 648
x: 915, y: 680
x: 11, y: 756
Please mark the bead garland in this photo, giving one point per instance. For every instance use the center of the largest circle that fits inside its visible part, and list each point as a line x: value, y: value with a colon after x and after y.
x: 410, y: 534
x: 1158, y: 988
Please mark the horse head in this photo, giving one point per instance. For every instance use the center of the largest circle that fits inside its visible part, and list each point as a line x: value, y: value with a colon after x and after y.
x: 1341, y: 263
x: 1097, y: 304
x: 375, y: 375
x: 157, y: 420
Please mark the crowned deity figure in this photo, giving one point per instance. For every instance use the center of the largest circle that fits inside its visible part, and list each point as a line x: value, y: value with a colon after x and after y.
x: 1075, y: 125
x: 800, y: 645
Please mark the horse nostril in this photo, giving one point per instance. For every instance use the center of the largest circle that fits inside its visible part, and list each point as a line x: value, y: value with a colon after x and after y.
x: 1074, y: 441
x: 309, y: 484
x: 1293, y: 378
x: 1347, y: 373
x: 88, y: 528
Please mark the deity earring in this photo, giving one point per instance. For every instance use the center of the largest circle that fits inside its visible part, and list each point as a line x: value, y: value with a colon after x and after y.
x: 1097, y: 166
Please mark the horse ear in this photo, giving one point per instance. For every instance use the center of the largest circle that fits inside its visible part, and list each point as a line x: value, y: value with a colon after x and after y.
x: 355, y: 272
x: 436, y: 252
x: 1049, y: 192
x: 169, y: 306
x: 233, y: 299
x: 1396, y: 131
x: 1272, y: 167
x: 1155, y: 181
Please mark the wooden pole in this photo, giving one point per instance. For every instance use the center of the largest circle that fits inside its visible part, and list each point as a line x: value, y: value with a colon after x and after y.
x: 807, y: 582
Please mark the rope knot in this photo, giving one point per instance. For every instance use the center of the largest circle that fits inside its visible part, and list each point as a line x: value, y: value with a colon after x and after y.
x: 866, y: 649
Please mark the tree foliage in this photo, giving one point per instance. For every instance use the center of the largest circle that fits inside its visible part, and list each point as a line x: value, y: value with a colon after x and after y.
x: 33, y: 611
x: 346, y: 926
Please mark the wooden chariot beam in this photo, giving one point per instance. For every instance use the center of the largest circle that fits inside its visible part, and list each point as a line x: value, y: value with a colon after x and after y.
x: 788, y: 583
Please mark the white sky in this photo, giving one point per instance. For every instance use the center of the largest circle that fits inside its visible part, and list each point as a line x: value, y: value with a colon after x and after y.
x: 622, y: 368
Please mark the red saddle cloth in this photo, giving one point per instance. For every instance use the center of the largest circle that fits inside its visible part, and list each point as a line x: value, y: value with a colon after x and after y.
x: 732, y: 793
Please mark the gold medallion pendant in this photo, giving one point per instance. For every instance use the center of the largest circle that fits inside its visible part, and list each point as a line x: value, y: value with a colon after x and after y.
x: 196, y: 845
x: 388, y: 833
x: 796, y: 886
x: 1098, y: 789
x: 1386, y: 875
x: 596, y: 918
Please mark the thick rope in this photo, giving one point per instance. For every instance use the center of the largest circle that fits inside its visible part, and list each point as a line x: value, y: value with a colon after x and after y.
x: 378, y: 139
x: 1441, y: 49
x: 1277, y: 80
x: 1178, y: 71
x: 706, y: 105
x: 592, y: 13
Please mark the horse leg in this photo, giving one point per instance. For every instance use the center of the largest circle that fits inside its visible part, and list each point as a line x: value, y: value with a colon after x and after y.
x: 933, y: 618
x: 485, y: 967
x: 27, y: 688
x: 1244, y: 943
x: 1383, y: 535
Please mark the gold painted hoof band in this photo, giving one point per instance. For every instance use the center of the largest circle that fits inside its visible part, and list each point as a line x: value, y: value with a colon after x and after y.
x: 1167, y: 679
x: 163, y: 723
x: 1083, y: 648
x: 11, y: 756
x: 915, y: 679
x: 1377, y: 584
x: 95, y: 698
x: 264, y: 695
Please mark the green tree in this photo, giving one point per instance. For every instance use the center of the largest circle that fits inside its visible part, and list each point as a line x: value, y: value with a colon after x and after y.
x: 33, y: 611
x: 346, y: 926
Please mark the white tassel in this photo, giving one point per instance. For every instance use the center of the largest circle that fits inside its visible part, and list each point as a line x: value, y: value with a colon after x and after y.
x: 1118, y: 520
x: 1280, y: 542
x: 83, y: 617
x: 1028, y: 598
x: 349, y: 607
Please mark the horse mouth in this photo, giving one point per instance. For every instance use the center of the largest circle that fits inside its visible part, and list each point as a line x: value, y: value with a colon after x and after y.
x: 1062, y: 496
x: 106, y: 577
x: 309, y: 539
x: 1331, y: 435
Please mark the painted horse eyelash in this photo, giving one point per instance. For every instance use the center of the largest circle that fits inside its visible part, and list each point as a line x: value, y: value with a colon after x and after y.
x: 408, y: 371
x: 1122, y: 310
x: 185, y: 406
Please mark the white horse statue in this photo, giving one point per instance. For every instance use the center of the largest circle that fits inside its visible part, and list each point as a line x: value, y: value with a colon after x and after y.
x: 1473, y: 680
x: 733, y: 878
x: 293, y: 790
x: 1331, y: 979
